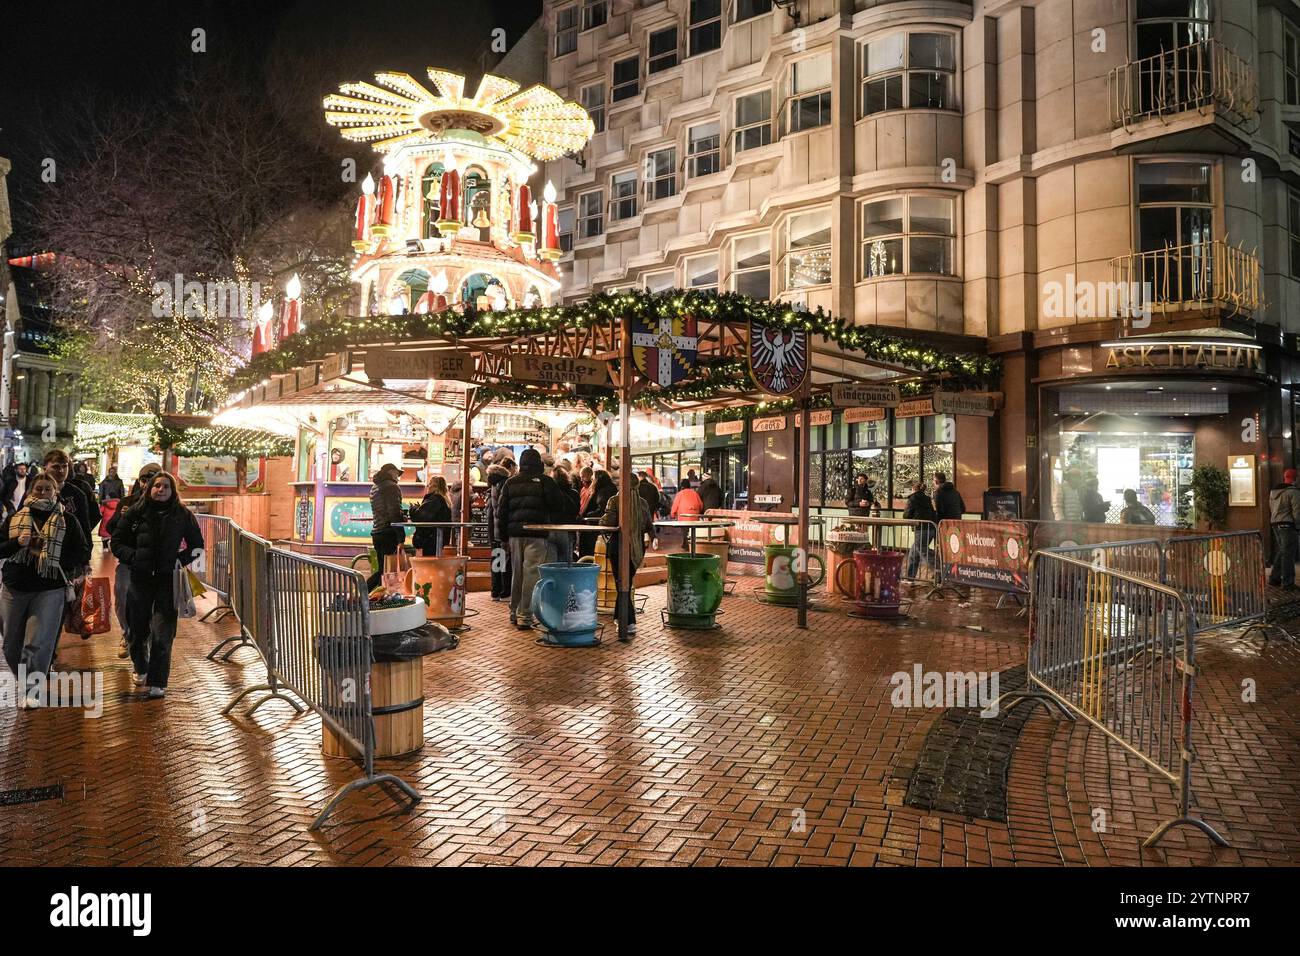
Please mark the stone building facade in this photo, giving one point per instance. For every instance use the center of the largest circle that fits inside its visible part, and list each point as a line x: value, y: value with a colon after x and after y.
x: 1038, y: 179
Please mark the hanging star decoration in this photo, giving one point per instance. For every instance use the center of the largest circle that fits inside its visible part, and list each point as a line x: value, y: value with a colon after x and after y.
x: 400, y: 110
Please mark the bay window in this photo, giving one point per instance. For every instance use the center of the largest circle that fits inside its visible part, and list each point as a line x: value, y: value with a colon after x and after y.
x: 909, y: 71
x: 751, y: 265
x: 703, y: 155
x: 595, y: 13
x: 627, y: 79
x: 566, y: 30
x: 661, y: 174
x: 702, y: 273
x: 748, y: 9
x: 705, y: 26
x: 622, y: 195
x: 662, y: 53
x: 591, y: 214
x: 753, y: 121
x: 908, y: 235
x: 592, y: 99
x: 807, y: 259
x: 809, y: 105
x: 565, y: 222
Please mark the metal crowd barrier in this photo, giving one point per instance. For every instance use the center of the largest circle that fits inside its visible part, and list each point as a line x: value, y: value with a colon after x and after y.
x: 214, y: 568
x: 309, y: 621
x: 1143, y: 558
x: 1120, y: 652
x: 1223, y: 578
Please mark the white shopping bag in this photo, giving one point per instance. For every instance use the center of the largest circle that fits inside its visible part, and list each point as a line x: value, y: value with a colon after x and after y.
x: 183, y: 593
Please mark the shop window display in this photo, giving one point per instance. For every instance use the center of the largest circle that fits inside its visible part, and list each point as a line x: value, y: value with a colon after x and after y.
x: 1157, y: 466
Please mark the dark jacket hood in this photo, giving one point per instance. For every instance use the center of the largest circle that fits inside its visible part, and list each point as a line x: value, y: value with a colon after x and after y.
x: 530, y: 462
x: 496, y: 474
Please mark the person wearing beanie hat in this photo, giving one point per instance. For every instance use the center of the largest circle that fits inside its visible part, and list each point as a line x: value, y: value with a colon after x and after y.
x: 385, y: 510
x: 1284, y: 518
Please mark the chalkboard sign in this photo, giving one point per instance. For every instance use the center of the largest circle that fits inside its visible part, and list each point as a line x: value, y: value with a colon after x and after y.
x: 478, y: 534
x: 1001, y: 504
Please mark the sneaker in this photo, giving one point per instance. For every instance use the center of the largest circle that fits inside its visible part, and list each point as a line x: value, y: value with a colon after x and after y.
x: 138, y: 679
x: 123, y: 651
x: 524, y: 625
x: 155, y: 692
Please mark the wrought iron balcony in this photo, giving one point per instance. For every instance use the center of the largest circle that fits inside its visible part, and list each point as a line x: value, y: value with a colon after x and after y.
x: 1198, y: 276
x: 1200, y: 76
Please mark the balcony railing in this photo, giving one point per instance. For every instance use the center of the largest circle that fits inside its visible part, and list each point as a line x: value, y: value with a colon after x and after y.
x: 1204, y: 275
x: 1198, y: 76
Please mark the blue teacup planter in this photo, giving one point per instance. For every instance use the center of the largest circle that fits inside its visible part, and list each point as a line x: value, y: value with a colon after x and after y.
x: 564, y: 602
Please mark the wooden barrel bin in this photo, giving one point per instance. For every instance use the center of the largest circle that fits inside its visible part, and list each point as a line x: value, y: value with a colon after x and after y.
x: 397, y: 703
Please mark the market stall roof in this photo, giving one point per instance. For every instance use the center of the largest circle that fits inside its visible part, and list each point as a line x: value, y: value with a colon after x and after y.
x: 326, y: 362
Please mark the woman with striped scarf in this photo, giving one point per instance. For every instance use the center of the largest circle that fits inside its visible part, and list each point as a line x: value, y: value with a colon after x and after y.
x: 42, y: 546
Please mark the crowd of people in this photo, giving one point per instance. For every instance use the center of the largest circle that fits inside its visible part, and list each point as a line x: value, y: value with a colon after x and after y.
x: 1078, y: 498
x: 51, y: 515
x: 539, y: 489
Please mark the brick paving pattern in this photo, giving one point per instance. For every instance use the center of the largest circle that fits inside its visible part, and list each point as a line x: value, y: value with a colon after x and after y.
x: 754, y: 745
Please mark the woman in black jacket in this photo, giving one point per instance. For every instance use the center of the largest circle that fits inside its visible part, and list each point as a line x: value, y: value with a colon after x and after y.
x: 496, y: 479
x: 434, y: 507
x: 42, y: 544
x: 151, y: 539
x: 603, y: 488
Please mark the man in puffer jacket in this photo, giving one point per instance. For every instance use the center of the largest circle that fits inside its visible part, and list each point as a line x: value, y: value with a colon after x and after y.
x: 1284, y: 517
x: 497, y: 475
x: 529, y: 498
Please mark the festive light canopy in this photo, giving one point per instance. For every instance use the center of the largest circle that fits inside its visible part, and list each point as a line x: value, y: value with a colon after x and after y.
x: 874, y: 343
x: 537, y: 122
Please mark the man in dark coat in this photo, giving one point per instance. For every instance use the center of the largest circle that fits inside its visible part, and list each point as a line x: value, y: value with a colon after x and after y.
x: 710, y: 493
x: 649, y: 493
x: 948, y: 503
x: 529, y: 498
x: 919, y: 508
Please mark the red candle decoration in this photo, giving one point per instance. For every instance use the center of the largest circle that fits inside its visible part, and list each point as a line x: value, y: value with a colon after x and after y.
x: 365, y: 207
x: 450, y: 222
x: 551, y: 232
x: 384, y: 216
x: 524, y: 230
x: 291, y: 312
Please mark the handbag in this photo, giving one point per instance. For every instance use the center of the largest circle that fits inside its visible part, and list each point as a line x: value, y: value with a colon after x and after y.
x: 184, y: 597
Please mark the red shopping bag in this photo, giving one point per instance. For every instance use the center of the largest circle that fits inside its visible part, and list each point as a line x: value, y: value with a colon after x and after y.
x: 91, y: 611
x: 97, y: 606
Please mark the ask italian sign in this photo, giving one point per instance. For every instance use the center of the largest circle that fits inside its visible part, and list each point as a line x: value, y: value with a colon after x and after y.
x: 1185, y: 355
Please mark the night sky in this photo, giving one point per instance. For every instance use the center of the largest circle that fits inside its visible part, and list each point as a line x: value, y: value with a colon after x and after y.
x: 53, y: 52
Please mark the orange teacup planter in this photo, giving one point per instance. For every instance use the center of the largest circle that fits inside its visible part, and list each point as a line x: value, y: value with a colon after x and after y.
x: 440, y: 582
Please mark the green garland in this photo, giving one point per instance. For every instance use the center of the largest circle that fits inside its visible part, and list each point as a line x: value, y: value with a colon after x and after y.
x: 964, y: 370
x: 222, y: 442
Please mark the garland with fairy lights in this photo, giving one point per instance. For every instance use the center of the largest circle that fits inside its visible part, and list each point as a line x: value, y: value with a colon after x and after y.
x: 95, y: 431
x: 961, y: 370
x: 225, y: 442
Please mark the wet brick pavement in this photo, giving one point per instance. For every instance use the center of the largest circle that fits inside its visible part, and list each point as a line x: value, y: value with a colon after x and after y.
x: 755, y: 745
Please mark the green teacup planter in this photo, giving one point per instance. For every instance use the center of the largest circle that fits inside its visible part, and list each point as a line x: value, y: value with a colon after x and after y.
x: 694, y: 591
